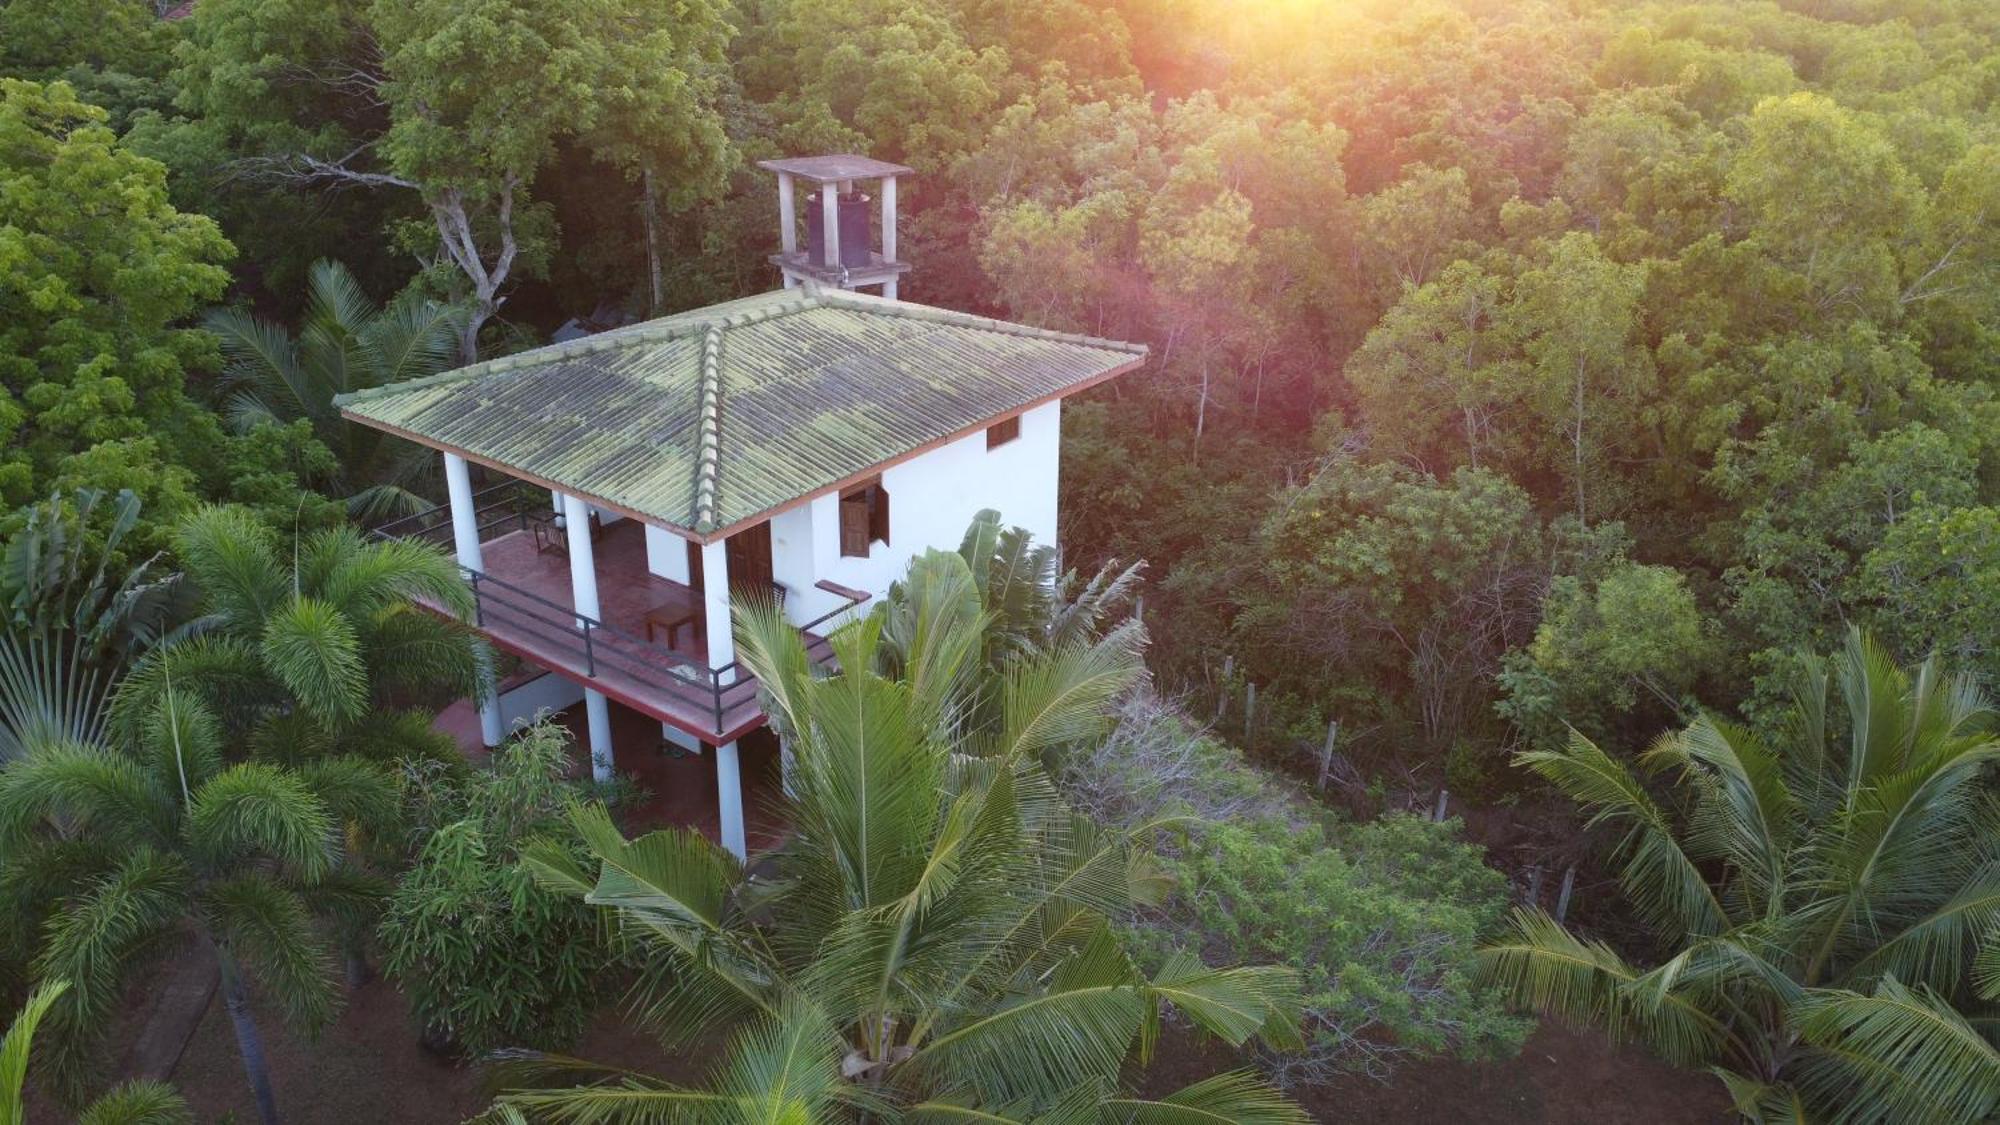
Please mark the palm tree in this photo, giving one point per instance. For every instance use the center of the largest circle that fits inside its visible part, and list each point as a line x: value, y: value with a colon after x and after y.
x: 136, y: 849
x: 936, y: 941
x: 135, y: 1103
x: 1822, y: 891
x: 77, y: 612
x: 1032, y: 605
x: 345, y: 343
x: 314, y: 647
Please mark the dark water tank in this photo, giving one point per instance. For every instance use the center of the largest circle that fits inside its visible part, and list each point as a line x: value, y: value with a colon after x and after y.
x: 854, y: 240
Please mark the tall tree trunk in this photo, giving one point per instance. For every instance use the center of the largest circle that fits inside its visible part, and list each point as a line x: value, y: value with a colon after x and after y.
x: 653, y: 270
x: 1201, y: 411
x: 249, y: 1044
x: 1579, y: 440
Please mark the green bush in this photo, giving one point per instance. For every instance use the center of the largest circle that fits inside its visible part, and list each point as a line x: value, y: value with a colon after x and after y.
x: 1381, y: 918
x: 487, y: 958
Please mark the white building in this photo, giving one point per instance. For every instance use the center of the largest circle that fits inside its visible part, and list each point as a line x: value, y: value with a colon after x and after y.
x: 803, y: 445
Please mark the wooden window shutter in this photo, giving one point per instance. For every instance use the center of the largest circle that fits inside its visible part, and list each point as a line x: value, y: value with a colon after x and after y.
x: 878, y: 514
x: 1003, y: 431
x: 854, y: 521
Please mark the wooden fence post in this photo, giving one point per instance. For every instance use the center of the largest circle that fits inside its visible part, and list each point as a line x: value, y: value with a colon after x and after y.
x: 1326, y: 752
x: 1535, y: 885
x: 1437, y: 814
x: 1249, y: 712
x: 1569, y: 884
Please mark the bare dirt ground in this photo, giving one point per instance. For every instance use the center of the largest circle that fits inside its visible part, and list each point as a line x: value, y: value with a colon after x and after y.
x: 369, y: 1068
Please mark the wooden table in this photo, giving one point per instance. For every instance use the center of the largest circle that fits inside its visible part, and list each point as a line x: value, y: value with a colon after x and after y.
x: 682, y: 609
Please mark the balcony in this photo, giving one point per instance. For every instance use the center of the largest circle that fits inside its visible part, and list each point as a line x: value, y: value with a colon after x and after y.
x: 646, y: 649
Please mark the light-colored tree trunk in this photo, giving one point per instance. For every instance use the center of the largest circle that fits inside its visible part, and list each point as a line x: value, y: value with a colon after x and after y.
x: 454, y: 224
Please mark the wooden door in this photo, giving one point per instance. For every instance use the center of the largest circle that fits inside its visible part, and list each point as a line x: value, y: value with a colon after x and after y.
x: 749, y: 555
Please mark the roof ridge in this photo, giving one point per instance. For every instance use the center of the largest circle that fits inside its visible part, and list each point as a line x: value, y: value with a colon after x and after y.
x: 617, y: 339
x: 708, y: 457
x: 911, y: 311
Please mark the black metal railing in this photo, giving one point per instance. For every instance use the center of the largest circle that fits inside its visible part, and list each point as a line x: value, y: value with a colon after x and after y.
x: 549, y: 629
x: 552, y: 630
x: 509, y: 505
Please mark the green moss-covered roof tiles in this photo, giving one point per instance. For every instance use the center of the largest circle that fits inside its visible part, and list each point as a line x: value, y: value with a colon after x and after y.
x: 705, y: 419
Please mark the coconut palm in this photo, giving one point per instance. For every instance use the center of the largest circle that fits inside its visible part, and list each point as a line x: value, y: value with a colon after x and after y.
x: 1822, y: 892
x: 134, y: 1103
x: 345, y: 343
x: 312, y: 647
x: 1031, y: 603
x: 936, y: 940
x: 160, y: 844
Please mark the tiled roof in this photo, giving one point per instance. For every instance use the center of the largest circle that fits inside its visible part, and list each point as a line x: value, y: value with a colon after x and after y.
x: 705, y: 419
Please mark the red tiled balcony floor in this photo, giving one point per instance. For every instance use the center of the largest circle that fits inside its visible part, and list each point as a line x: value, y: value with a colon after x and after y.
x: 668, y: 685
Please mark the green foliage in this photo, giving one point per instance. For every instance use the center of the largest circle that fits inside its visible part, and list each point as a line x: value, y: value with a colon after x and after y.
x: 1828, y: 882
x: 315, y: 646
x: 1380, y: 918
x: 487, y: 958
x: 116, y: 854
x: 135, y: 1103
x: 345, y: 343
x: 937, y: 937
x: 99, y: 267
x: 1597, y: 650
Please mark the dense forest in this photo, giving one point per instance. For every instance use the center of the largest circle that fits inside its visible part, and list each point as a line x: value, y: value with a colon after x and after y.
x: 1584, y: 408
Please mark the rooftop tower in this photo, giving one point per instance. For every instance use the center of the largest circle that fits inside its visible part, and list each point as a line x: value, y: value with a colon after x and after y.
x: 840, y: 247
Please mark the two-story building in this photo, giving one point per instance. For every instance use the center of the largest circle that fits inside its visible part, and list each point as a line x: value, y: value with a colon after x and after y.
x: 800, y: 445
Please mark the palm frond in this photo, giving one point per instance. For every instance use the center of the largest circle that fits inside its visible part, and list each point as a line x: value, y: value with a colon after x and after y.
x: 1545, y: 967
x: 94, y: 790
x: 313, y: 649
x: 234, y: 560
x: 599, y: 1095
x: 138, y: 1103
x: 1076, y: 1030
x: 1233, y: 1003
x: 1900, y: 1054
x: 1235, y: 1098
x: 411, y: 337
x: 92, y: 940
x: 1064, y: 697
x: 48, y: 693
x: 253, y: 809
x: 1666, y: 886
x: 14, y: 1049
x: 260, y: 357
x: 265, y: 925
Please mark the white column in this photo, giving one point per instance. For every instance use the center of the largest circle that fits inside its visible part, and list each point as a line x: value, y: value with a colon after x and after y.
x: 889, y: 232
x: 597, y: 715
x: 788, y: 222
x: 715, y: 605
x: 829, y: 216
x: 465, y: 541
x: 889, y: 219
x: 729, y: 798
x: 583, y: 596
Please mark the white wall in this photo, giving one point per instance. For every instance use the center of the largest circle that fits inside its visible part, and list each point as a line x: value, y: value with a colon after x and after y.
x: 547, y: 692
x: 932, y: 498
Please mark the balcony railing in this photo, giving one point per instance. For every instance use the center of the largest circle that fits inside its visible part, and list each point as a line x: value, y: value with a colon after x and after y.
x: 509, y: 505
x: 606, y: 651
x: 557, y: 633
